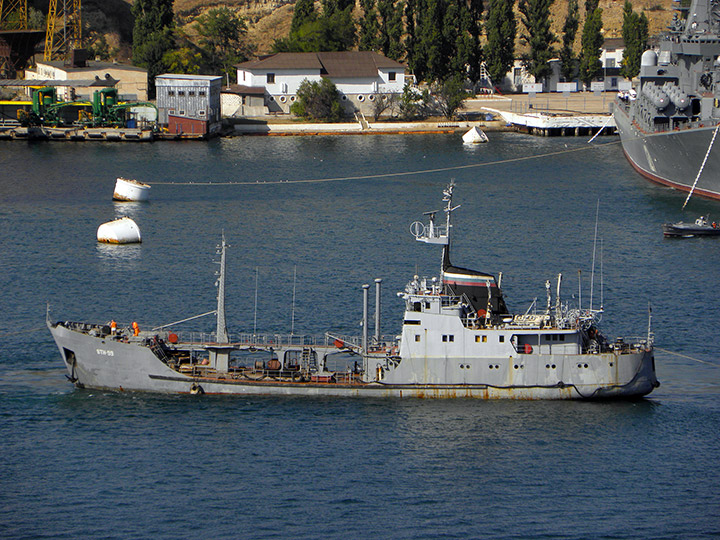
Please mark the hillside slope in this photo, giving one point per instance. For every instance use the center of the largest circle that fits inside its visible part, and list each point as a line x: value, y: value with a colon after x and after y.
x: 270, y: 19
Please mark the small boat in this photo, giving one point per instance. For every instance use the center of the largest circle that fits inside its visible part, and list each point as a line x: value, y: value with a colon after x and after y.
x: 127, y: 190
x: 456, y: 339
x: 701, y: 227
x: 475, y: 135
x: 120, y: 231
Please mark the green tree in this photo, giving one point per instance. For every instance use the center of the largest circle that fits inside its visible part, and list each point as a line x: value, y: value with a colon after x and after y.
x: 450, y: 96
x: 183, y: 60
x: 318, y: 101
x: 334, y: 32
x: 369, y: 27
x: 413, y: 104
x: 568, y: 59
x: 443, y: 38
x: 500, y: 47
x: 635, y: 36
x: 391, y: 28
x: 592, y: 41
x: 152, y: 36
x: 333, y: 6
x: 222, y: 34
x: 535, y: 16
x: 303, y: 13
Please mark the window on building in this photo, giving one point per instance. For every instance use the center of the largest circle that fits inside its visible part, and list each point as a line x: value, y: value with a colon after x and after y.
x: 391, y: 76
x: 201, y: 93
x: 191, y: 93
x: 271, y: 78
x: 181, y: 92
x: 610, y: 63
x: 171, y: 92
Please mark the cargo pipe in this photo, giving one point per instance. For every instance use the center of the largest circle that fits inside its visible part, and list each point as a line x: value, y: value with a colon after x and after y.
x: 378, y: 281
x: 365, y: 319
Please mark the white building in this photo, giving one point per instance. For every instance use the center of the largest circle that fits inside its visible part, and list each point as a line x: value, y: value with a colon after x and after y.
x: 132, y: 82
x: 358, y: 76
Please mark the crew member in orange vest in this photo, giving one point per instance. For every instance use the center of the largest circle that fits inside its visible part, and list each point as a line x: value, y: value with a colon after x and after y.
x: 136, y: 328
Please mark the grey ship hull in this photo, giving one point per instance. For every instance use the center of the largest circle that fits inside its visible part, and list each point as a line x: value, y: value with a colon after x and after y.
x: 101, y: 363
x: 672, y: 158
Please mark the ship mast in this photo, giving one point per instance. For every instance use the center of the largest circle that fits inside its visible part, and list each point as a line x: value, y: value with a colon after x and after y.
x: 437, y: 234
x: 221, y: 334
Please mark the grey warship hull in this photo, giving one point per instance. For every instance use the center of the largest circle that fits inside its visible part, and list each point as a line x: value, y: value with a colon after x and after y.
x: 672, y: 158
x: 668, y: 123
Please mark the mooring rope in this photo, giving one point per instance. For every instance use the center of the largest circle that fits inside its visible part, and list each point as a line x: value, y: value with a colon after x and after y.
x: 702, y: 166
x: 386, y: 175
x: 688, y: 357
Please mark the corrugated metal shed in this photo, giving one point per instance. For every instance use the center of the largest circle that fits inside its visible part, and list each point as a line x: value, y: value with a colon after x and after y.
x: 188, y: 96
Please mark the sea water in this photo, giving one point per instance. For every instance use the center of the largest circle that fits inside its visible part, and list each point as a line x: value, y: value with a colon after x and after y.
x: 321, y: 216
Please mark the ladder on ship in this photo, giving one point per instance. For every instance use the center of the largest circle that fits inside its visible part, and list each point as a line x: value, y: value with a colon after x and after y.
x: 308, y: 358
x: 158, y: 350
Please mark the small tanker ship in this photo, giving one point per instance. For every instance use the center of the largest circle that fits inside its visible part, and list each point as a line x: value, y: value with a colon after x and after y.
x: 458, y: 339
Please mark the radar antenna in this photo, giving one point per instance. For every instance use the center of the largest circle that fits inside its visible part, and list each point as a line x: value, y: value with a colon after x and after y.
x: 432, y: 233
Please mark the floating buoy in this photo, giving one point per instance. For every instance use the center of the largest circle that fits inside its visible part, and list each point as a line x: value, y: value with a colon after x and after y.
x: 120, y: 231
x: 130, y: 191
x: 475, y: 135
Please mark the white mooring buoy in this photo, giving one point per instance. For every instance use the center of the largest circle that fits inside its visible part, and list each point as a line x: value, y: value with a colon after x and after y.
x: 120, y: 231
x: 127, y: 190
x: 475, y: 135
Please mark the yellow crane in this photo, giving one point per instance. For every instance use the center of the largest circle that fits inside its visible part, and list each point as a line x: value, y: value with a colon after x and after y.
x: 64, y: 29
x: 13, y: 14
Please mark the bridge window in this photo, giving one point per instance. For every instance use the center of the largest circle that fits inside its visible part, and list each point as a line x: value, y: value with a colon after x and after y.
x: 502, y: 339
x: 479, y: 339
x: 448, y: 337
x: 417, y: 337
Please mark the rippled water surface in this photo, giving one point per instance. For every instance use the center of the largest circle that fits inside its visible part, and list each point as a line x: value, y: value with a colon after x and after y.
x: 80, y: 464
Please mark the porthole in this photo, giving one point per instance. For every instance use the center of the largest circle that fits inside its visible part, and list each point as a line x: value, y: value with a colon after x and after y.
x: 283, y: 99
x: 292, y: 98
x: 361, y: 98
x: 371, y: 97
x: 271, y: 98
x: 344, y: 98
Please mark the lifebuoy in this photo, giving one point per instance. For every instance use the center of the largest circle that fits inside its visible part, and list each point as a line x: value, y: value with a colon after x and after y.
x: 528, y: 348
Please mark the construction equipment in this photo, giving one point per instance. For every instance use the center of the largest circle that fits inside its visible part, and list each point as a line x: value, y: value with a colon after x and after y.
x: 105, y: 110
